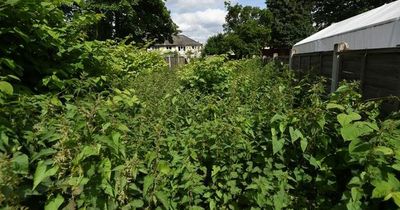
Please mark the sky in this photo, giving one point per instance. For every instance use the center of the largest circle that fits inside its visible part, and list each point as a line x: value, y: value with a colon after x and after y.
x: 200, y: 19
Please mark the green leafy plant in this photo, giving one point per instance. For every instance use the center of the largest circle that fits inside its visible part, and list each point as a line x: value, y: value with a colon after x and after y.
x: 105, y: 125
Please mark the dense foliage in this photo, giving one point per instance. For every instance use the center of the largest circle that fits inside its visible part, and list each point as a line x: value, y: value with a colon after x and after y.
x: 292, y: 21
x: 143, y: 20
x: 105, y: 125
x: 247, y: 31
x: 217, y: 45
x: 215, y: 134
x: 326, y: 12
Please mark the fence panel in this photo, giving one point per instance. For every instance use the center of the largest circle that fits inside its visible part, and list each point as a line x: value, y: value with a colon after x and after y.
x: 175, y: 61
x: 378, y: 70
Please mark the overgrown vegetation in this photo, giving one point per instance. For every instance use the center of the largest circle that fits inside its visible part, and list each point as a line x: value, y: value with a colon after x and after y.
x: 105, y: 125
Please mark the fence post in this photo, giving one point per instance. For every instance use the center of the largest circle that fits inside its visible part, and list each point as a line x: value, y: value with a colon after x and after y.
x: 340, y: 47
x: 363, y: 69
x: 292, y: 52
x: 169, y: 62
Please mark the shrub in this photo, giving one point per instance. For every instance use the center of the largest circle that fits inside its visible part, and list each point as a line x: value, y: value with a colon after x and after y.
x: 118, y: 131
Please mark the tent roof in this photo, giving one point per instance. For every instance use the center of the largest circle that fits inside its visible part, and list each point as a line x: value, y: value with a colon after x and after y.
x: 379, y: 16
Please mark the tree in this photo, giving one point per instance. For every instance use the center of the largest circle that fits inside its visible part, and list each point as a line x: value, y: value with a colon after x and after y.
x: 36, y: 40
x: 247, y: 31
x: 143, y: 20
x: 326, y: 12
x: 292, y: 21
x: 216, y: 45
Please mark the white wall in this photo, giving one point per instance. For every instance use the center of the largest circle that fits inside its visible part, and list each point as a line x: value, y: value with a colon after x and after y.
x: 187, y: 51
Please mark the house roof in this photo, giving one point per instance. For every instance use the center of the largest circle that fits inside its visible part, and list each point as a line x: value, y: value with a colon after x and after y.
x: 180, y: 40
x: 377, y: 28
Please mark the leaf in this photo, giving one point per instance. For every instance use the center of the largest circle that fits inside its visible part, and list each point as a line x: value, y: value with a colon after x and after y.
x: 86, y: 152
x: 22, y: 34
x: 358, y: 146
x: 148, y: 181
x: 108, y: 189
x: 79, y: 2
x: 277, y: 145
x: 355, y: 181
x: 163, y: 167
x: 353, y: 205
x: 150, y: 157
x: 215, y: 171
x: 396, y: 166
x: 213, y: 205
x: 41, y: 173
x: 384, y: 150
x: 123, y: 128
x: 277, y: 117
x: 345, y: 119
x: 137, y: 203
x: 353, y: 131
x: 393, y: 181
x: 12, y: 2
x: 6, y: 88
x: 10, y: 64
x: 396, y: 198
x: 295, y: 134
x: 43, y: 153
x: 55, y: 101
x: 304, y: 144
x: 14, y: 77
x: 382, y: 189
x: 163, y: 198
x: 21, y: 164
x: 174, y: 100
x: 314, y: 162
x: 55, y: 203
x: 356, y: 194
x: 335, y: 106
x: 106, y: 168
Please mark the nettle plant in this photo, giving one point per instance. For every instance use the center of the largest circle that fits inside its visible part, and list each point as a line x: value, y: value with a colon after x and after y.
x: 104, y: 125
x: 269, y: 141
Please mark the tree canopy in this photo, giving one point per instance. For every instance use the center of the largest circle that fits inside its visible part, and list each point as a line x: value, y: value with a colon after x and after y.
x: 247, y: 31
x: 142, y: 19
x: 292, y: 21
x: 326, y: 12
x: 216, y: 45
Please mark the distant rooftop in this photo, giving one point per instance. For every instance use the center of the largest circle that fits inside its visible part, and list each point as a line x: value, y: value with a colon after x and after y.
x: 180, y: 40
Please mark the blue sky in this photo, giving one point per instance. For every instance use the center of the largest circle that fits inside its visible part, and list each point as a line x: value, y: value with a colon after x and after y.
x: 200, y: 19
x: 258, y: 3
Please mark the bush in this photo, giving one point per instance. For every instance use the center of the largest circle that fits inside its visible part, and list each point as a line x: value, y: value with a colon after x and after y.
x: 119, y: 131
x: 209, y: 75
x: 255, y: 146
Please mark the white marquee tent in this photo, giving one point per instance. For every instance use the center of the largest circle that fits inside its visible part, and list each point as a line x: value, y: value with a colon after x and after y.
x: 377, y: 28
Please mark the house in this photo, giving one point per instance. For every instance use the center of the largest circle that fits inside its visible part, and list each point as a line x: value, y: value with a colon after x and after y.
x: 362, y: 48
x: 182, y: 45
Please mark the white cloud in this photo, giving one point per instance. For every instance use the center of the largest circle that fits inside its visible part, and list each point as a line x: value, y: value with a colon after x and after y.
x: 194, y: 5
x: 198, y: 20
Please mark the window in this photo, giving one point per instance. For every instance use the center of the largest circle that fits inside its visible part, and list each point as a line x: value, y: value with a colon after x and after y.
x: 168, y: 48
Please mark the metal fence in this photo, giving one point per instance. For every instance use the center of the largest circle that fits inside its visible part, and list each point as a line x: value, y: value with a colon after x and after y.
x: 175, y: 61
